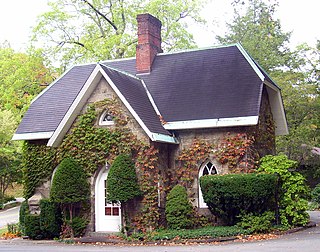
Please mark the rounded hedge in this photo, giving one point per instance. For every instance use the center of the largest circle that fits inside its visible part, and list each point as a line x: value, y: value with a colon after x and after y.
x: 179, y: 212
x: 122, y: 182
x: 70, y: 184
x: 229, y: 195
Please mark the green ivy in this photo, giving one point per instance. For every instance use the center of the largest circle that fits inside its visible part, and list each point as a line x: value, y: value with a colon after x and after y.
x: 38, y: 165
x: 92, y: 147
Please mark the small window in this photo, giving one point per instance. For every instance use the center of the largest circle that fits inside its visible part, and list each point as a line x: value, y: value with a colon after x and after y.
x: 106, y: 119
x: 207, y: 169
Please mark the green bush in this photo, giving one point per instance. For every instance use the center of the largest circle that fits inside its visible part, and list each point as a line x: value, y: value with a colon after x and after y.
x: 69, y: 184
x: 229, y: 195
x: 50, y: 219
x: 257, y: 223
x: 79, y: 225
x: 315, y: 194
x: 24, y: 209
x: 32, y: 227
x: 179, y: 212
x: 122, y: 182
x: 293, y: 192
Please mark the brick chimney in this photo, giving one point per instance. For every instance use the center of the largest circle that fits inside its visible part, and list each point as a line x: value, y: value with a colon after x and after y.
x: 149, y: 42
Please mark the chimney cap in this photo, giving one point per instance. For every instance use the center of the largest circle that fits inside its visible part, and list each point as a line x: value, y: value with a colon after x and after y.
x: 148, y: 17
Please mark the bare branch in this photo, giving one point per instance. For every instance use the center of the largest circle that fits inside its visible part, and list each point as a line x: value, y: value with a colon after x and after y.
x: 102, y: 15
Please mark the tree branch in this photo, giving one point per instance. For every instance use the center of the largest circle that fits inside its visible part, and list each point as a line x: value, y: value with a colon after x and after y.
x: 102, y: 15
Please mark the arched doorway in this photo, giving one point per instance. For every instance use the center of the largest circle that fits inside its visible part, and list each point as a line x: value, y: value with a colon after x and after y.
x: 107, y: 215
x: 208, y: 168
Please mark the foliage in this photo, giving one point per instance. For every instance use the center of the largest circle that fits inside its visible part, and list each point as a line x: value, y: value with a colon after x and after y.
x: 82, y: 31
x: 179, y: 212
x: 38, y: 163
x: 24, y: 209
x: 146, y: 164
x: 260, y: 34
x: 50, y: 219
x: 316, y: 194
x: 122, y: 182
x: 69, y: 184
x: 228, y: 195
x: 232, y: 150
x: 79, y: 225
x: 9, y: 153
x: 189, y: 161
x: 180, y: 234
x: 32, y: 227
x: 69, y: 187
x: 22, y: 76
x: 293, y: 193
x: 254, y: 223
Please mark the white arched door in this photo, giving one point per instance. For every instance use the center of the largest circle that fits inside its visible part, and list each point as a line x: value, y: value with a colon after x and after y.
x: 207, y: 169
x: 107, y: 216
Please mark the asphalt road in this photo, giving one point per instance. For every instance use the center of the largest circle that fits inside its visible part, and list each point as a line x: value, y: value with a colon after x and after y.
x: 306, y: 241
x: 9, y: 216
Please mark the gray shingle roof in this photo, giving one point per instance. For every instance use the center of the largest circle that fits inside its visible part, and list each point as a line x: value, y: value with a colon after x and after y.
x: 134, y: 92
x: 49, y: 108
x: 210, y: 83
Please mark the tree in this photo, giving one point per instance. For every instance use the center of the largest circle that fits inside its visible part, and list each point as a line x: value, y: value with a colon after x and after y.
x: 259, y: 33
x: 22, y: 76
x: 295, y: 71
x: 9, y: 152
x: 83, y: 30
x: 122, y: 183
x: 70, y: 187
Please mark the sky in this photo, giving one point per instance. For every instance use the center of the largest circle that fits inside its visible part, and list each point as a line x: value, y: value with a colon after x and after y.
x: 301, y: 17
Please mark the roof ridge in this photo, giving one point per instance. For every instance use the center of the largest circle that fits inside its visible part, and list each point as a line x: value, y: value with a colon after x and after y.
x: 198, y: 49
x: 120, y: 71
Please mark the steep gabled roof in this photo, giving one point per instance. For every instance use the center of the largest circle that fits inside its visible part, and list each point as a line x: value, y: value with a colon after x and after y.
x: 213, y: 87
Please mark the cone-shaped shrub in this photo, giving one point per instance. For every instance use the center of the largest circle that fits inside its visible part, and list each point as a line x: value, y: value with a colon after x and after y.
x: 69, y: 183
x: 122, y: 182
x: 179, y: 213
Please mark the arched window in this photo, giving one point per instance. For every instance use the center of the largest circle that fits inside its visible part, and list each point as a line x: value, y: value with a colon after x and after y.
x: 106, y: 119
x: 207, y: 168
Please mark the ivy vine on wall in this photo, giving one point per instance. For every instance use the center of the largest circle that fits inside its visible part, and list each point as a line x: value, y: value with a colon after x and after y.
x: 92, y: 146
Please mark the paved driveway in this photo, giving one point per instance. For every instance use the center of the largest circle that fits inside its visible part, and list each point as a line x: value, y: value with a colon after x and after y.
x: 306, y: 241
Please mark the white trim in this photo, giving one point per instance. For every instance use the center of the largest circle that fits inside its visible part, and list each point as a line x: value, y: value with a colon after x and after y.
x: 156, y: 137
x: 201, y: 203
x: 250, y: 61
x: 75, y: 108
x: 277, y: 109
x: 151, y: 98
x: 33, y: 136
x: 212, y: 123
x: 105, y: 123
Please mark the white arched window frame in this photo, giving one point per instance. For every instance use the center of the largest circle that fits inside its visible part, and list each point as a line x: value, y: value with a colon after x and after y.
x: 106, y: 119
x: 208, y: 168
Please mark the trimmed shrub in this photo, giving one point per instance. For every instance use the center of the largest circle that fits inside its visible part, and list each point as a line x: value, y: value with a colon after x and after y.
x: 50, y: 219
x: 293, y: 190
x: 257, y: 223
x: 69, y: 184
x: 24, y: 209
x: 229, y: 195
x: 122, y: 182
x: 179, y: 211
x: 32, y: 227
